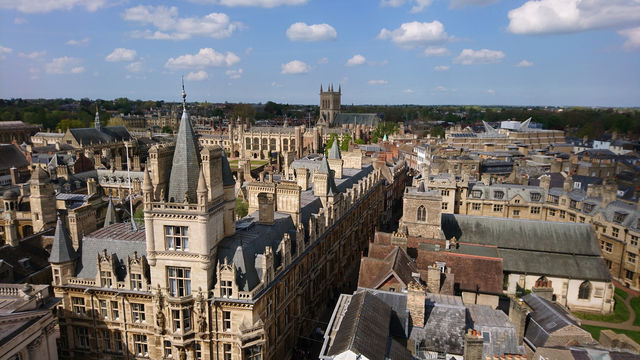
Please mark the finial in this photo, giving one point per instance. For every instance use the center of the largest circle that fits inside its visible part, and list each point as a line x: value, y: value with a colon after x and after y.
x: 184, y: 96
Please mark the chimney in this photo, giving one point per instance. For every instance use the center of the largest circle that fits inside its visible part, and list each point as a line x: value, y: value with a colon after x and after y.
x: 302, y: 177
x: 433, y: 279
x: 518, y: 316
x: 486, y: 179
x: 473, y: 345
x: 265, y: 209
x: 416, y: 296
x: 92, y: 186
x: 15, y: 176
x: 545, y: 182
x: 609, y: 192
x: 568, y: 184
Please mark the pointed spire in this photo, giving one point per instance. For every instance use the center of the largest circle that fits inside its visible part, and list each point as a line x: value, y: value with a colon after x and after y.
x: 332, y: 189
x: 111, y: 216
x: 146, y: 182
x: 320, y: 88
x: 334, y: 151
x: 184, y: 97
x: 186, y: 161
x: 97, y: 119
x: 62, y: 248
x: 339, y: 88
x: 202, y: 183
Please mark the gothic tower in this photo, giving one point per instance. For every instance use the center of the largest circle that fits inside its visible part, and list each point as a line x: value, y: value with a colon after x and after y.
x: 329, y: 105
x: 42, y: 200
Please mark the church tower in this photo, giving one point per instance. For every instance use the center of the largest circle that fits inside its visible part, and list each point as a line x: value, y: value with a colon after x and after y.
x: 329, y: 105
x: 42, y: 200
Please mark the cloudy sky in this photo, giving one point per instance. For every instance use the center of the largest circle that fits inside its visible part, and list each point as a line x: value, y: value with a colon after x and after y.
x: 512, y: 52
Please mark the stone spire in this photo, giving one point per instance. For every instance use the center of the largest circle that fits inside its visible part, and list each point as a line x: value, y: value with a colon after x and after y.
x: 146, y: 182
x: 62, y: 248
x: 334, y: 151
x: 97, y: 124
x: 332, y: 189
x: 183, y: 179
x: 111, y: 217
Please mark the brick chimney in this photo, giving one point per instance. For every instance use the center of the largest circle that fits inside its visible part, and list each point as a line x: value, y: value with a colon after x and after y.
x: 473, y: 345
x: 302, y: 177
x: 545, y: 182
x: 416, y: 296
x: 433, y: 279
x: 518, y: 316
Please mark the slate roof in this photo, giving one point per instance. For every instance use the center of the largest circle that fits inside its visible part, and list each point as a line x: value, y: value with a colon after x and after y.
x: 111, y: 216
x: 11, y: 156
x: 105, y: 134
x: 331, y: 184
x: 62, y: 248
x: 545, y: 319
x: 186, y: 163
x: 356, y: 119
x: 227, y: 176
x: 364, y: 329
x: 445, y: 325
x: 502, y: 338
x: 334, y: 151
x: 117, y: 239
x: 375, y: 271
x: 509, y: 191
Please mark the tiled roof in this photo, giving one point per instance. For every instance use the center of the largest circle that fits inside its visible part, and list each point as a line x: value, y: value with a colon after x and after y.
x: 183, y: 179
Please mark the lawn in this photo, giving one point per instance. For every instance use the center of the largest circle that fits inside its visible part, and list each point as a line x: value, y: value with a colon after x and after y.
x: 254, y: 163
x: 635, y: 305
x: 623, y: 294
x: 620, y: 314
x: 595, y: 332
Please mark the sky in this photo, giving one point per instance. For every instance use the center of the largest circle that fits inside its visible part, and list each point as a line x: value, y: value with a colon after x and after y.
x: 428, y: 52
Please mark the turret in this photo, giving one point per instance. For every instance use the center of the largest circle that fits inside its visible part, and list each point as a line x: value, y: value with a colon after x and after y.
x: 10, y: 203
x: 63, y: 256
x: 42, y: 200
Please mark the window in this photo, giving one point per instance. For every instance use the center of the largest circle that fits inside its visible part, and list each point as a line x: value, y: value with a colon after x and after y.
x: 584, y: 292
x: 78, y: 306
x: 562, y: 214
x: 167, y: 349
x: 628, y: 274
x: 535, y: 210
x: 573, y: 204
x: 631, y: 257
x: 115, y: 314
x: 105, y: 278
x: 106, y: 338
x: 476, y: 194
x: 181, y: 319
x: 572, y: 217
x: 140, y: 345
x: 615, y: 231
x: 582, y: 219
x: 56, y: 276
x: 535, y: 196
x: 553, y: 199
x: 634, y: 240
x: 103, y: 309
x: 587, y: 207
x: 422, y: 214
x: 117, y: 339
x: 516, y: 212
x: 552, y: 212
x: 136, y: 281
x: 608, y: 247
x: 137, y: 312
x: 444, y: 192
x: 176, y: 237
x: 498, y: 194
x: 198, y: 351
x: 227, y: 288
x: 226, y: 320
x: 497, y: 208
x: 253, y: 353
x: 476, y: 206
x: 445, y: 206
x: 618, y: 218
x: 82, y: 337
x: 227, y: 351
x: 179, y: 281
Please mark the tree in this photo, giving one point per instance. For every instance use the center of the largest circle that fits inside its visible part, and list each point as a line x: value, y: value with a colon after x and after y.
x: 242, y: 208
x: 167, y: 129
x: 346, y: 140
x: 243, y: 111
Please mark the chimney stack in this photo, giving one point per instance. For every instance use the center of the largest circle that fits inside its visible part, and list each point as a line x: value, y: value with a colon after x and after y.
x: 416, y: 296
x: 473, y: 345
x: 266, y: 209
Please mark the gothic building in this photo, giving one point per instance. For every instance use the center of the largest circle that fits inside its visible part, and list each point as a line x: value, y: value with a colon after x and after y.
x: 194, y: 283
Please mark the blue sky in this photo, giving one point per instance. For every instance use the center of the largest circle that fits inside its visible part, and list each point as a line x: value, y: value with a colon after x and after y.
x: 535, y: 52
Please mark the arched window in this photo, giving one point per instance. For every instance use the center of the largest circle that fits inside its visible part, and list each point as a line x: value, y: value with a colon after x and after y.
x: 543, y: 282
x: 422, y: 213
x: 585, y: 290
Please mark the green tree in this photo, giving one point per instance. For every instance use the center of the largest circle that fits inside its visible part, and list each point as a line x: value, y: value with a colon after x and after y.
x: 243, y: 111
x: 242, y: 208
x: 167, y: 129
x: 346, y: 140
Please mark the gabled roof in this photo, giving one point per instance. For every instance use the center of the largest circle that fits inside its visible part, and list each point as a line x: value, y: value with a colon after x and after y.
x: 11, y: 156
x: 62, y: 248
x: 186, y: 164
x: 397, y: 263
x: 111, y: 216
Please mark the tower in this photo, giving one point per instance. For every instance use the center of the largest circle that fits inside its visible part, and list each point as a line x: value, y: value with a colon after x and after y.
x: 329, y: 105
x: 10, y: 204
x: 42, y: 200
x: 96, y: 122
x: 63, y: 256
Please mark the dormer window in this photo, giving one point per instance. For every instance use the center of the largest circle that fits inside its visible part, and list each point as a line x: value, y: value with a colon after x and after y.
x: 476, y: 194
x: 498, y: 194
x: 226, y: 288
x: 618, y: 217
x: 535, y: 196
x: 136, y: 281
x: 587, y: 207
x: 105, y: 279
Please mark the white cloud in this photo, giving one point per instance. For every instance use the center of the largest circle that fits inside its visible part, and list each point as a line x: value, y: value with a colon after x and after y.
x: 295, y: 67
x: 553, y: 16
x: 248, y: 51
x: 418, y: 6
x: 377, y: 82
x: 45, y: 6
x: 436, y: 51
x: 4, y: 51
x: 33, y: 55
x: 81, y: 42
x: 316, y: 32
x: 121, y: 54
x: 392, y: 3
x: 257, y: 3
x: 484, y: 56
x: 408, y: 91
x: 491, y: 92
x: 197, y: 76
x: 20, y: 21
x: 234, y: 74
x: 441, y: 68
x: 441, y: 88
x: 459, y: 4
x: 135, y: 66
x: 416, y: 34
x: 524, y: 63
x: 171, y: 27
x: 633, y: 38
x: 64, y: 65
x: 206, y: 57
x: 356, y: 60
x: 276, y: 85
x: 323, y: 60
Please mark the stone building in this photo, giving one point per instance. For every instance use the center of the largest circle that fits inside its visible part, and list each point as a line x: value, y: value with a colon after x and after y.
x: 27, y: 323
x: 193, y: 283
x: 16, y: 131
